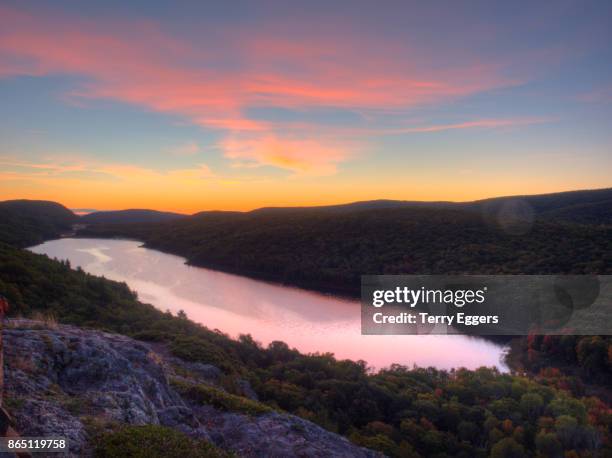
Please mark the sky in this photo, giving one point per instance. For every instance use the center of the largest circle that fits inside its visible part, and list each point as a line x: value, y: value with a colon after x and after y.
x: 190, y: 106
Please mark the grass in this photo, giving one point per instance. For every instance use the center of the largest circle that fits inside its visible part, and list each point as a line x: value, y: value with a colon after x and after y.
x: 46, y: 319
x: 153, y: 441
x: 195, y: 349
x: 204, y: 394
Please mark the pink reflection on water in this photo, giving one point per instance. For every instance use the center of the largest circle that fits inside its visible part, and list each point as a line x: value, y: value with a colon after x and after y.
x: 308, y: 321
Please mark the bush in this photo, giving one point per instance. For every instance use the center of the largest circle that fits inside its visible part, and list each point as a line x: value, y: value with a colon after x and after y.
x: 152, y: 441
x: 203, y: 394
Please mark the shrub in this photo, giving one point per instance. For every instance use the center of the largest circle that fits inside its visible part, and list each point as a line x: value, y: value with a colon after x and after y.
x: 152, y: 441
x: 204, y: 394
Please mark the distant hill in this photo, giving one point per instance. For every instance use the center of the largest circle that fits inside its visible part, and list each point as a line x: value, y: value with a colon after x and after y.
x: 330, y: 247
x: 586, y: 206
x: 586, y: 213
x: 129, y: 216
x: 27, y: 222
x: 364, y: 205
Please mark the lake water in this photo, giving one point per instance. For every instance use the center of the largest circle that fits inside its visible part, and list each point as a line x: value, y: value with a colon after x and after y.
x: 308, y: 321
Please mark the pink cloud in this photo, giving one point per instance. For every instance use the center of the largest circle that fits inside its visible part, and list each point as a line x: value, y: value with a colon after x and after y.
x: 303, y: 156
x: 138, y: 63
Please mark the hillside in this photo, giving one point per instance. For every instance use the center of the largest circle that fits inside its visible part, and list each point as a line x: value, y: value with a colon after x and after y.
x: 588, y: 206
x: 330, y: 250
x: 584, y: 213
x: 128, y: 216
x: 28, y: 222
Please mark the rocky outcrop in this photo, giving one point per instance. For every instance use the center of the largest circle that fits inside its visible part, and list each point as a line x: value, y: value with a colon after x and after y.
x: 63, y: 381
x: 278, y: 435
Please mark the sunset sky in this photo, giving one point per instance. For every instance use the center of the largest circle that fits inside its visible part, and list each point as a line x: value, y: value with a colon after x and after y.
x: 238, y: 105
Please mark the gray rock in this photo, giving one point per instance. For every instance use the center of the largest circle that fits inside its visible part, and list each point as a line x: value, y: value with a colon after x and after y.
x: 48, y: 419
x: 276, y: 435
x: 59, y: 379
x: 63, y: 375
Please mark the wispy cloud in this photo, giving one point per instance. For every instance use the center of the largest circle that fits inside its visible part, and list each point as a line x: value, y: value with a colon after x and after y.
x: 139, y: 63
x: 477, y: 124
x: 70, y: 169
x: 190, y: 148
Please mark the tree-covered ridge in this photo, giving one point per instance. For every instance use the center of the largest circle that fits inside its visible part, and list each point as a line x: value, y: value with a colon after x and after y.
x: 129, y: 216
x: 585, y: 206
x: 28, y: 222
x: 561, y: 205
x: 330, y: 250
x: 400, y: 411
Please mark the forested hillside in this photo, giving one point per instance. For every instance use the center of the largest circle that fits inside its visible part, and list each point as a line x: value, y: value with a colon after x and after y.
x: 588, y: 206
x: 28, y: 222
x: 331, y: 250
x: 128, y: 216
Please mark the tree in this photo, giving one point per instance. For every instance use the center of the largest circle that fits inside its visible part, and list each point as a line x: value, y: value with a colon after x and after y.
x: 507, y: 448
x: 564, y: 405
x: 567, y: 431
x: 548, y: 445
x: 531, y: 405
x: 592, y: 353
x: 468, y: 431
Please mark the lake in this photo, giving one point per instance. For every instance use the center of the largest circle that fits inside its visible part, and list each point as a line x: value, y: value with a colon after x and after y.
x: 306, y: 320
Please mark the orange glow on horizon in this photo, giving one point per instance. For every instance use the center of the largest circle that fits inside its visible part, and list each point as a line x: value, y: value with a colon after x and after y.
x: 190, y: 195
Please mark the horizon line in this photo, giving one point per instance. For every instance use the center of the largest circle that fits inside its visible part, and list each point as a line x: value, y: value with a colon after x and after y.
x: 91, y: 210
